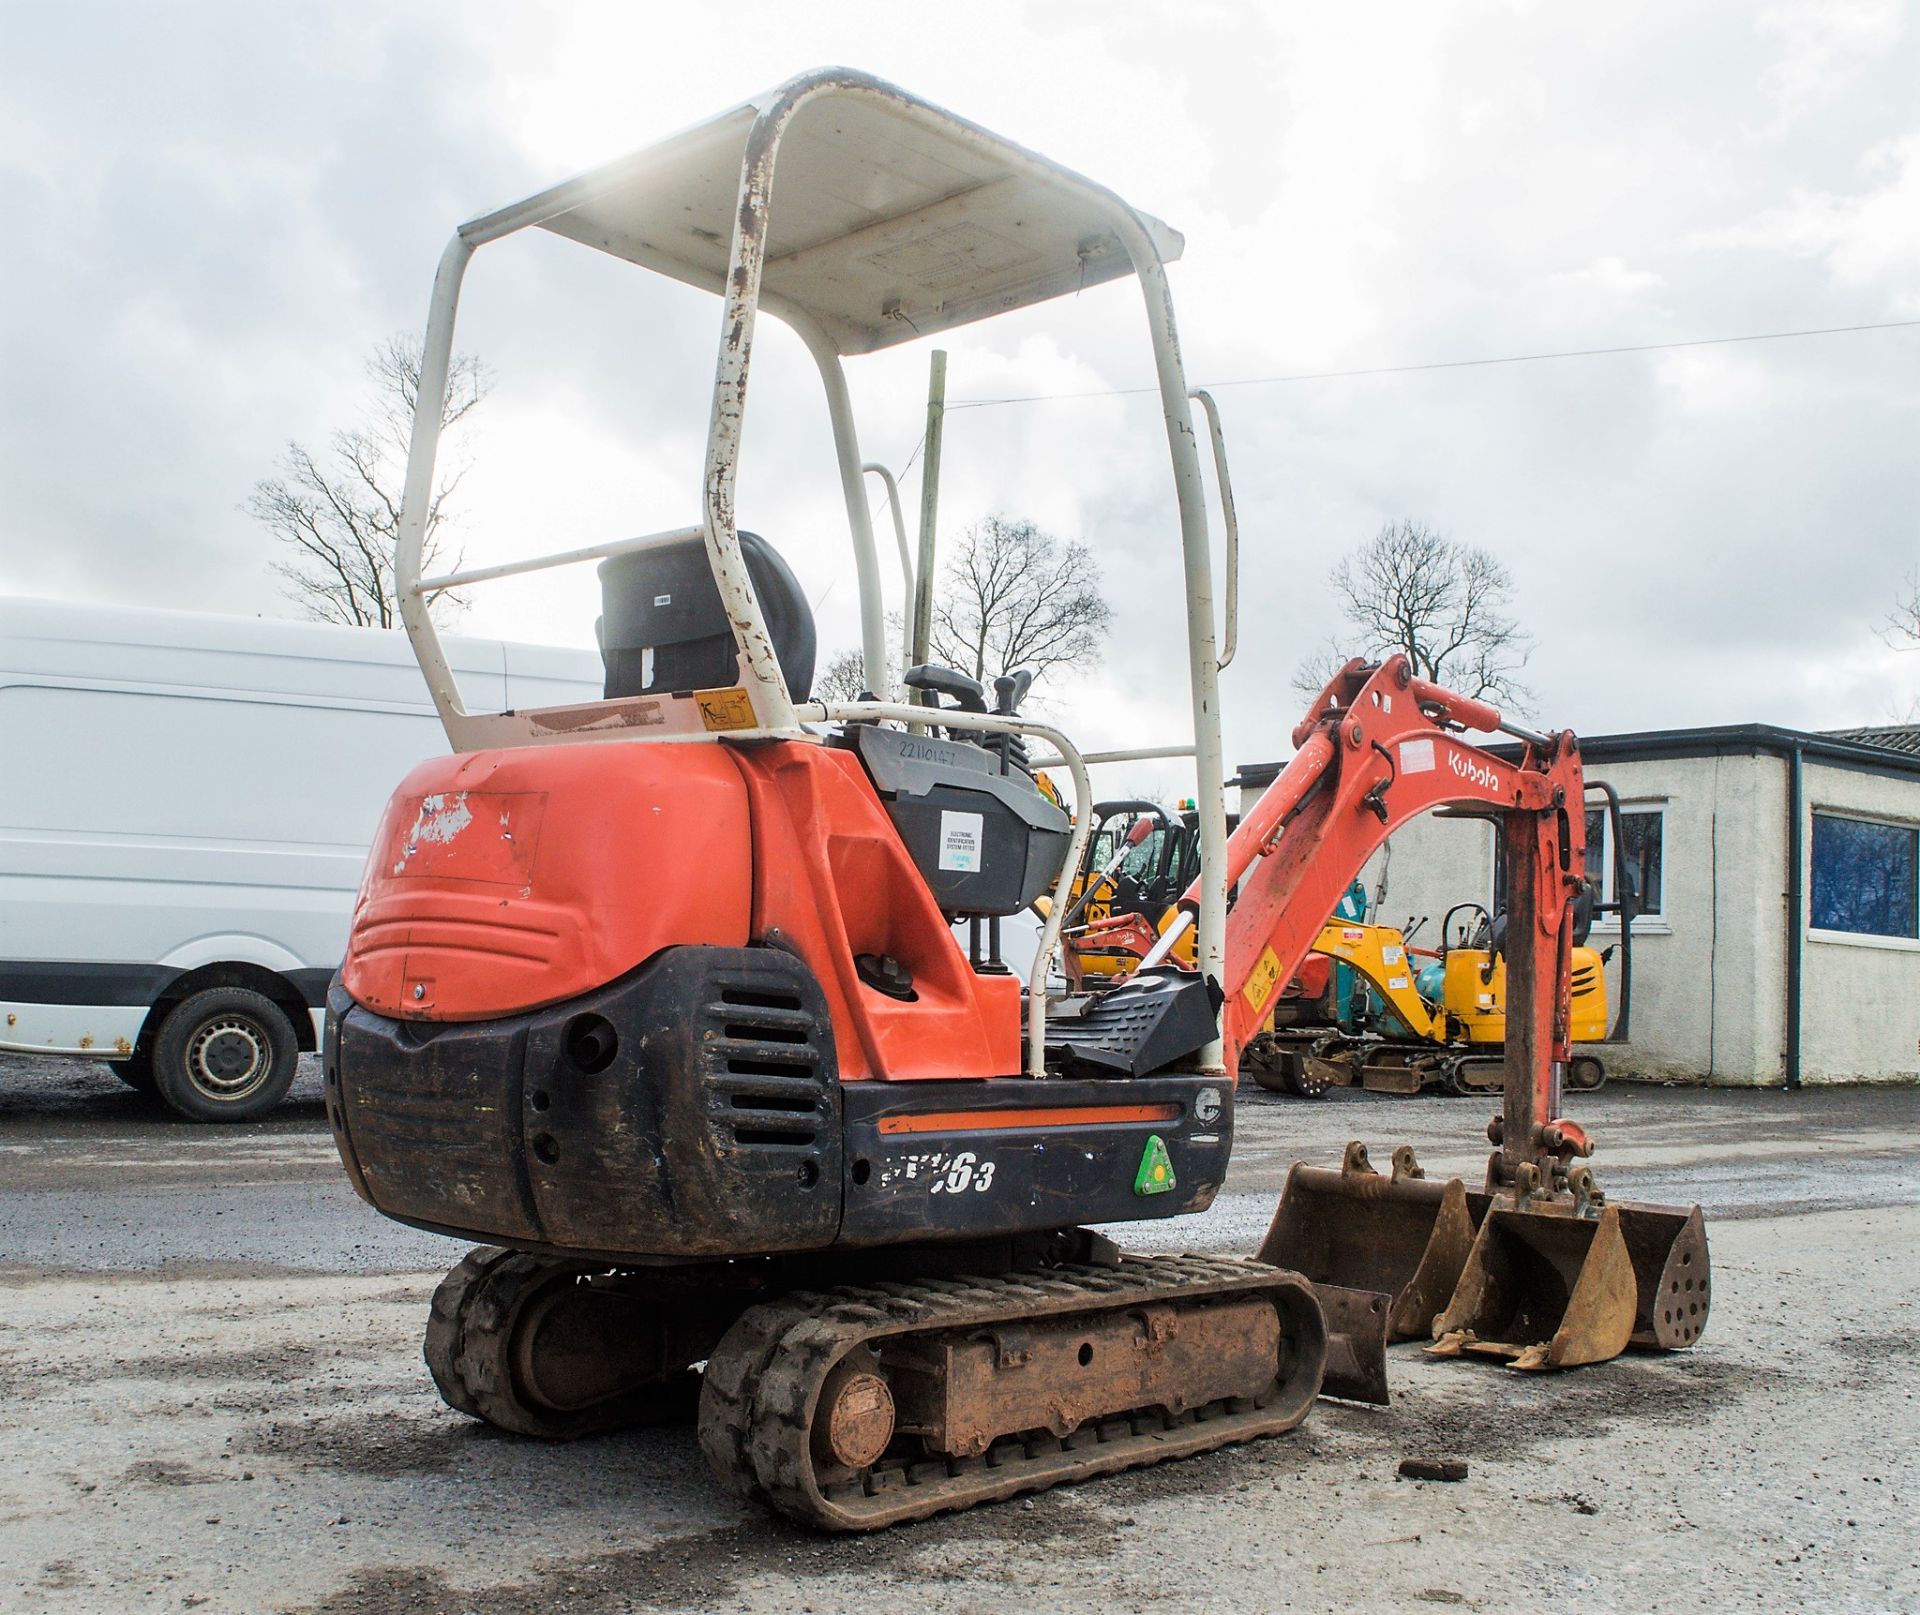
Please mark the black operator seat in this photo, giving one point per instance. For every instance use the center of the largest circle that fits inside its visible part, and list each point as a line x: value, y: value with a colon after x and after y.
x: 663, y: 627
x: 1583, y: 908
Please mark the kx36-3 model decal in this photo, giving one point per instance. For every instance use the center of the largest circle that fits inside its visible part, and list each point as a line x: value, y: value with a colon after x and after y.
x: 943, y: 1171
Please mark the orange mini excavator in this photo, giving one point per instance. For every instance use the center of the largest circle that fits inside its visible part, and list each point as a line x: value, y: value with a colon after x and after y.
x: 659, y: 996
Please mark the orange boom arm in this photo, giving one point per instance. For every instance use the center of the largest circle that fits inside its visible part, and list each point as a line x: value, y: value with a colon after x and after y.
x: 1378, y: 748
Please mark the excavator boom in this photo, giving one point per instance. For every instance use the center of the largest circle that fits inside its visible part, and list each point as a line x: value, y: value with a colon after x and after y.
x: 1556, y: 1275
x: 1379, y: 748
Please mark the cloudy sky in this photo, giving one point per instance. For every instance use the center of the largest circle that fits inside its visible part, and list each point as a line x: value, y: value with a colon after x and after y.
x: 215, y: 211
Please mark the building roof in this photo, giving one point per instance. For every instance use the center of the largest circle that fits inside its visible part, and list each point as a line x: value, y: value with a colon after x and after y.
x: 1749, y: 739
x: 1894, y: 736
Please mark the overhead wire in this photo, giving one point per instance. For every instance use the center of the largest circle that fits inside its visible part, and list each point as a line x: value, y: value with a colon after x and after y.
x: 875, y: 506
x: 1447, y: 364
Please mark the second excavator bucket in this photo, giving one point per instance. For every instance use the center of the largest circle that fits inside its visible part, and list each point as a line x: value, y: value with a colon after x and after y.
x: 1551, y: 1288
x: 1668, y: 1248
x: 1405, y: 1236
x: 1545, y: 1288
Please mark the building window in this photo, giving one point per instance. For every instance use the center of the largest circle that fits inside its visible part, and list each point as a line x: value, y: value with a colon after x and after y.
x: 1643, y: 838
x: 1644, y: 831
x: 1866, y: 876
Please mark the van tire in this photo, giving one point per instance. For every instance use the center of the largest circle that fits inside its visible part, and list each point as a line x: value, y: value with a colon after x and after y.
x: 225, y: 1054
x: 136, y: 1071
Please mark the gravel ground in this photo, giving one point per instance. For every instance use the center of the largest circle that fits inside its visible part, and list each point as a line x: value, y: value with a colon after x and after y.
x: 211, y: 1398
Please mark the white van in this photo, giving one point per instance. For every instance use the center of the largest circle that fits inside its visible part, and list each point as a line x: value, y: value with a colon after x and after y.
x: 186, y: 802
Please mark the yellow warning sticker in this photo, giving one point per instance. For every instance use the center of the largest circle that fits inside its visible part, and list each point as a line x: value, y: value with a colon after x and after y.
x: 1260, y: 984
x: 725, y: 709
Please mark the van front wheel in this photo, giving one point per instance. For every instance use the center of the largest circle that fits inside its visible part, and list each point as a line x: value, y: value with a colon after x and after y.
x: 225, y: 1055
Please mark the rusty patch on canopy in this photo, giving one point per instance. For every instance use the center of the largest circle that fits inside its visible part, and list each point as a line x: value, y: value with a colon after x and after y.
x: 597, y: 717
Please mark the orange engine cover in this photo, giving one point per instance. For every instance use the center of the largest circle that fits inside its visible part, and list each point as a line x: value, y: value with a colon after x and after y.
x: 833, y: 880
x: 501, y: 881
x: 505, y: 881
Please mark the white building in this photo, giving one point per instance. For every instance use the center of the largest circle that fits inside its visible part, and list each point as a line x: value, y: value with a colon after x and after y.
x: 1778, y: 872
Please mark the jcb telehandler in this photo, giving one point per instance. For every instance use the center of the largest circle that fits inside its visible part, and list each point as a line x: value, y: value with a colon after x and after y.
x: 658, y: 995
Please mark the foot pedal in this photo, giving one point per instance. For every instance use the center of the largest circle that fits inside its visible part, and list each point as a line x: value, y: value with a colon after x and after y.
x: 1144, y: 1025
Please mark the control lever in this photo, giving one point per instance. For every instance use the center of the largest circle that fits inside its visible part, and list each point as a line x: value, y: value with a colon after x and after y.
x: 969, y: 695
x: 1102, y: 877
x: 1009, y: 690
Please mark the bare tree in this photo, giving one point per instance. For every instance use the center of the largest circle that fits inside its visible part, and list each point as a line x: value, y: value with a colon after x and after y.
x: 1444, y: 604
x: 1900, y: 628
x: 843, y: 677
x: 1017, y: 597
x: 337, y: 518
x: 1902, y: 625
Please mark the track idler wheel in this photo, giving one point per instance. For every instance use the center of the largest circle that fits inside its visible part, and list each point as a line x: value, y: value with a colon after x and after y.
x: 1585, y: 1074
x: 547, y: 1347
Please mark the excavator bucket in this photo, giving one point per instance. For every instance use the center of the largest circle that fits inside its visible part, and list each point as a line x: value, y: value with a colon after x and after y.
x: 1668, y: 1248
x: 1404, y: 1236
x: 1550, y: 1288
x: 1356, y: 1324
x: 1546, y: 1289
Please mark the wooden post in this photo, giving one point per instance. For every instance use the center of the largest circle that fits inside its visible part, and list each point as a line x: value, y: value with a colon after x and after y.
x: 929, y: 514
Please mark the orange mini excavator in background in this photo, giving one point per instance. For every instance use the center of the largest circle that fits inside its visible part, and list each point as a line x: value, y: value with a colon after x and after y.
x: 659, y: 996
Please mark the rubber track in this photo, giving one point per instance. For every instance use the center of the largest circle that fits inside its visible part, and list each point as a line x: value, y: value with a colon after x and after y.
x: 446, y: 1321
x: 765, y: 1380
x: 727, y: 1386
x: 469, y: 1345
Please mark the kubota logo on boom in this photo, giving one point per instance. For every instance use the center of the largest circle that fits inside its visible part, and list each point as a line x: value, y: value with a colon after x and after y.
x: 1480, y: 774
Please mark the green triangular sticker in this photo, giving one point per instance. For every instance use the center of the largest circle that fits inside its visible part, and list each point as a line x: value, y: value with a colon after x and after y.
x: 1156, y: 1169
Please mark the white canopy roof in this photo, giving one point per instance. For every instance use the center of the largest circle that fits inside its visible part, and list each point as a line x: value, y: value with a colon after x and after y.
x: 890, y: 219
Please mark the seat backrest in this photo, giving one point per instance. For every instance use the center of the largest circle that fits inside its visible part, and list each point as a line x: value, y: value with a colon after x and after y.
x: 664, y: 628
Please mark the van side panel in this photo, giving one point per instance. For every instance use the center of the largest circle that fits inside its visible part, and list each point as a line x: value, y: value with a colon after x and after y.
x: 184, y: 790
x: 97, y: 1031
